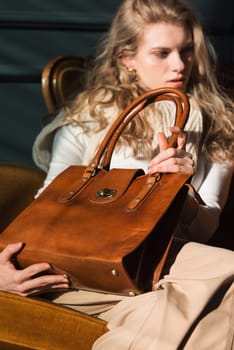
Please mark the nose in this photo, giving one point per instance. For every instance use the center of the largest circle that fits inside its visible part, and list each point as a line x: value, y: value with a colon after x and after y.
x: 178, y: 64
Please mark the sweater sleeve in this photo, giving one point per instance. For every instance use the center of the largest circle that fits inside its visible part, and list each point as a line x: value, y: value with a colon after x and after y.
x: 68, y: 147
x: 214, y: 189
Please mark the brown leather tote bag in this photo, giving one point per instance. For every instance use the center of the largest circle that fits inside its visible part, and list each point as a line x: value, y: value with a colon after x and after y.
x: 109, y: 229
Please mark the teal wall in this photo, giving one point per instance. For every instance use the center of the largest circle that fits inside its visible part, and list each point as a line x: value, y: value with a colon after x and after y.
x: 32, y: 32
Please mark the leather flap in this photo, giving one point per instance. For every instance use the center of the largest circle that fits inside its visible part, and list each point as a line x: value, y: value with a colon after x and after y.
x: 113, y: 184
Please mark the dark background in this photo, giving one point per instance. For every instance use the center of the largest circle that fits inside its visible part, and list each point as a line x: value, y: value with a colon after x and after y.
x: 32, y: 32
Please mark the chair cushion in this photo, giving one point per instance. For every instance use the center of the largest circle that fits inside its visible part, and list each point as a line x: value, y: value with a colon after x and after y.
x: 33, y: 323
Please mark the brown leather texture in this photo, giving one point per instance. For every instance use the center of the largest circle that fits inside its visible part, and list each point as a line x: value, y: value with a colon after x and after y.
x: 110, y: 229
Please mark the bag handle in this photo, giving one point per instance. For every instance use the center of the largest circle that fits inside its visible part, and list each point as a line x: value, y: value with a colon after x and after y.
x: 105, y: 150
x: 106, y: 147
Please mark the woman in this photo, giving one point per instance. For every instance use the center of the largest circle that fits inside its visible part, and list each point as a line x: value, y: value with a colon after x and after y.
x: 151, y: 44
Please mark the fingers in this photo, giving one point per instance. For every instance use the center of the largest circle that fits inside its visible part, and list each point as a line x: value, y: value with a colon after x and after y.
x: 162, y: 141
x: 174, y: 165
x: 43, y: 272
x: 181, y: 139
x: 10, y: 250
x: 181, y: 136
x: 44, y: 284
x: 172, y: 161
x: 35, y: 279
x: 170, y: 153
x: 35, y: 270
x: 40, y: 278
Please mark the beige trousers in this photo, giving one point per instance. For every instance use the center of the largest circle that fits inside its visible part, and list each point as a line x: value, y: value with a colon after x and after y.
x: 191, y: 308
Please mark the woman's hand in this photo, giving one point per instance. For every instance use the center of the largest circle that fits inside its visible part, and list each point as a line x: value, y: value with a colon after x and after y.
x: 28, y: 281
x: 172, y: 160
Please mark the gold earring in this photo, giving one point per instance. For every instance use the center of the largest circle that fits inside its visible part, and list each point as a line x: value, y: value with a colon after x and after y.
x: 132, y: 74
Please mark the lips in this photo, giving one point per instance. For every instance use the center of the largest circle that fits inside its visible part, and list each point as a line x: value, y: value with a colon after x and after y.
x: 177, y: 82
x: 179, y: 79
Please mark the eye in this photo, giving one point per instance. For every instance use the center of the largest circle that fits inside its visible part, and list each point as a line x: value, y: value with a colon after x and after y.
x: 161, y: 53
x: 187, y: 51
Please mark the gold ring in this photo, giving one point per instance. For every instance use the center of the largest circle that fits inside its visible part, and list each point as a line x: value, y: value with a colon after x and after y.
x: 66, y: 275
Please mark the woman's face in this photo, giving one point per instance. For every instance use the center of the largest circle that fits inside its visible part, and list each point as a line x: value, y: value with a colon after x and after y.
x: 164, y: 57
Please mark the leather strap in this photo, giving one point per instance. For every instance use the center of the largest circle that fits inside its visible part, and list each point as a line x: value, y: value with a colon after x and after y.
x: 107, y: 146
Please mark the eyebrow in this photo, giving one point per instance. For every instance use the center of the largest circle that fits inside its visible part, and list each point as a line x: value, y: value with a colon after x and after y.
x: 188, y: 43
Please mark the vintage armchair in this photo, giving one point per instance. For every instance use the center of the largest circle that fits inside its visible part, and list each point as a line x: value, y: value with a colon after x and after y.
x: 34, y: 323
x: 62, y: 78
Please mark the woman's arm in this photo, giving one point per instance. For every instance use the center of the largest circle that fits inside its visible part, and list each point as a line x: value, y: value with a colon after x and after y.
x: 198, y: 221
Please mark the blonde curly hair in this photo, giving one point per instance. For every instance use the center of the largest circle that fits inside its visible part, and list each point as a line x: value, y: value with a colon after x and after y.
x: 111, y: 84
